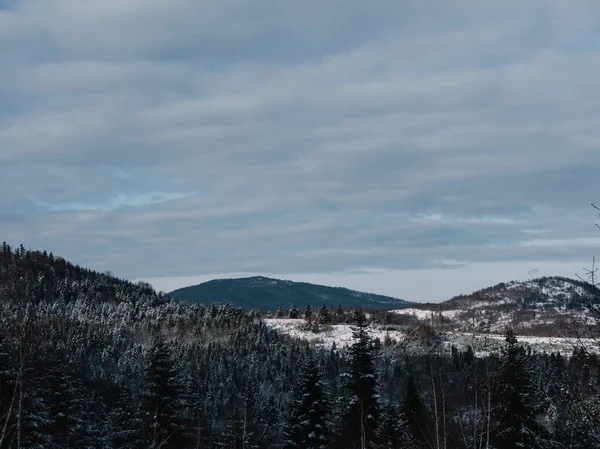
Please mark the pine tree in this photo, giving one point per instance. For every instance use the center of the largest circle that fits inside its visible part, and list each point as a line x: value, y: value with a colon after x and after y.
x: 163, y: 426
x: 270, y: 429
x: 339, y: 314
x: 308, y: 314
x: 124, y: 424
x: 294, y: 313
x: 324, y: 316
x: 516, y: 426
x: 362, y: 411
x: 392, y: 432
x: 415, y: 414
x: 308, y: 426
x: 280, y: 312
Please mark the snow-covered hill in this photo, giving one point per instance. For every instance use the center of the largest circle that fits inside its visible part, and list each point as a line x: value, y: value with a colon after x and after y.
x: 547, y: 306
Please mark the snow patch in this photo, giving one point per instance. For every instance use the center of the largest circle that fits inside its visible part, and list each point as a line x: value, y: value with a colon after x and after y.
x: 340, y: 334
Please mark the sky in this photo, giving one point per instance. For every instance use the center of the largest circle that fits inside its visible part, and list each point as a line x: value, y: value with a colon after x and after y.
x: 419, y: 149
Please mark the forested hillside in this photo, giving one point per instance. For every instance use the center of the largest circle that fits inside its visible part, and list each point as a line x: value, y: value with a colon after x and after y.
x: 91, y: 361
x: 268, y: 294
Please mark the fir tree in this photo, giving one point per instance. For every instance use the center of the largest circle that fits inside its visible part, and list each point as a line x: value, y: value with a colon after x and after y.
x: 308, y: 314
x: 339, y: 314
x: 392, y: 432
x: 124, y: 424
x: 415, y: 414
x: 294, y: 313
x: 162, y: 414
x: 280, y: 312
x: 360, y: 420
x: 516, y: 426
x: 324, y: 316
x: 308, y: 426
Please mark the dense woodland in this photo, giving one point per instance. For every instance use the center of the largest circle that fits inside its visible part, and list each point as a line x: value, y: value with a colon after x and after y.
x: 91, y: 361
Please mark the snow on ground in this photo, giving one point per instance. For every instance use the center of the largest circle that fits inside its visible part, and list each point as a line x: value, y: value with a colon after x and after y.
x: 417, y: 313
x: 497, y: 320
x: 485, y: 343
x: 422, y: 314
x: 340, y: 334
x: 482, y: 344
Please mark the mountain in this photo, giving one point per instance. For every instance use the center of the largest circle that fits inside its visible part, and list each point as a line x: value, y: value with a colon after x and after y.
x: 542, y: 306
x: 265, y: 293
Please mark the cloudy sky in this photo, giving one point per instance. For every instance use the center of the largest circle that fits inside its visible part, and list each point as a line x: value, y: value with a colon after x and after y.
x: 414, y: 148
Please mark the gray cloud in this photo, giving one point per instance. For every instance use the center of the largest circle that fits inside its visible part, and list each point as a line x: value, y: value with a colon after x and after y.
x: 191, y: 137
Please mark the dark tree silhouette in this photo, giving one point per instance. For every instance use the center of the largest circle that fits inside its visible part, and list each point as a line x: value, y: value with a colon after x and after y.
x: 362, y: 413
x: 308, y: 426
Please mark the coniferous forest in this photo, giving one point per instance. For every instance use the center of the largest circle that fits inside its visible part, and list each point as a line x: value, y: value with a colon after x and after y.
x: 91, y: 361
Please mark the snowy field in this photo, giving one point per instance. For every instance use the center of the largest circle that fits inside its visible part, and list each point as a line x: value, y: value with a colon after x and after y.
x: 421, y: 314
x: 484, y: 343
x: 341, y: 335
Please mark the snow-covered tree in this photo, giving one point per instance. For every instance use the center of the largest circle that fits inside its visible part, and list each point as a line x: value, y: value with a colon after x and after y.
x: 162, y: 414
x: 294, y: 312
x: 361, y: 416
x: 308, y: 424
x: 324, y: 315
x: 515, y: 414
x: 392, y: 432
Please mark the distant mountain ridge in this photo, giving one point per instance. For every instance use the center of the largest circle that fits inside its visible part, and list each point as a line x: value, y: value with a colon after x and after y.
x: 265, y: 293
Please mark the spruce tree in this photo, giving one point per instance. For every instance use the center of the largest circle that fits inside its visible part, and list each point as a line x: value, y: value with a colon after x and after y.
x: 415, y: 414
x: 308, y: 426
x: 124, y: 424
x: 163, y: 422
x: 339, y: 314
x: 294, y: 312
x: 516, y: 426
x: 362, y: 411
x: 324, y: 316
x: 392, y: 432
x: 308, y: 313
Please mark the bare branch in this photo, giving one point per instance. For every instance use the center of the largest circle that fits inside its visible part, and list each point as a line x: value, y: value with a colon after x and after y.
x: 9, y: 413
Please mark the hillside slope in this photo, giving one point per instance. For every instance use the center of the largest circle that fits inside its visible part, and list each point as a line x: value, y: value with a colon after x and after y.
x: 264, y: 293
x: 543, y: 306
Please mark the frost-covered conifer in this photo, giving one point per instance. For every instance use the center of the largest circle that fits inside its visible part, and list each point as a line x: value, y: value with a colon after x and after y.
x: 308, y: 425
x: 361, y: 414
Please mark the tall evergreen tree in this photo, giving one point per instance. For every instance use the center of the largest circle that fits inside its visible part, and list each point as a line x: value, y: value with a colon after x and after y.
x: 392, y: 432
x: 516, y: 426
x: 415, y: 414
x: 294, y: 312
x: 308, y: 313
x: 339, y: 313
x: 362, y: 411
x: 124, y: 424
x: 163, y: 421
x: 324, y: 315
x: 308, y: 424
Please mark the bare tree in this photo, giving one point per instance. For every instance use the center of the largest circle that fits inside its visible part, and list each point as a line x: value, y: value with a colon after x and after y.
x: 587, y: 328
